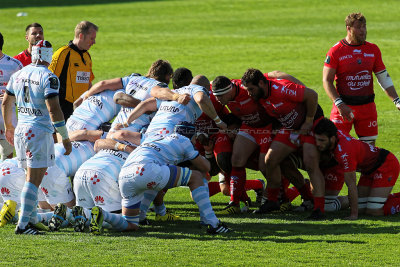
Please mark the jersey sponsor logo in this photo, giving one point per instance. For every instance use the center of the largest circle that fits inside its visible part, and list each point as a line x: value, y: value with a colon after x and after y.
x: 328, y: 60
x: 289, y: 119
x: 274, y: 86
x: 5, y: 191
x: 250, y: 118
x: 153, y: 146
x: 99, y: 200
x: 82, y: 77
x: 357, y: 51
x: 288, y: 91
x: 369, y: 55
x: 115, y: 153
x: 170, y: 109
x: 378, y: 176
x: 96, y: 101
x: 372, y: 124
x: 345, y: 57
x: 359, y: 80
x: 345, y: 161
x: 76, y: 144
x: 53, y: 83
x: 45, y: 191
x: 30, y: 111
x: 23, y: 80
x: 151, y: 185
x: 331, y: 177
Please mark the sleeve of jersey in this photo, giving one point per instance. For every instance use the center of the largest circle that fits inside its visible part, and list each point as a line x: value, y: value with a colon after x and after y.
x: 330, y: 60
x: 52, y: 87
x: 57, y: 61
x: 378, y: 64
x: 196, y: 89
x: 190, y: 152
x: 293, y: 92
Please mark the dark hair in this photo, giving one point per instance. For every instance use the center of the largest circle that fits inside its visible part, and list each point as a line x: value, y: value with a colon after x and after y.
x: 221, y: 85
x: 1, y: 41
x: 159, y: 69
x: 253, y: 76
x: 33, y: 25
x: 325, y: 127
x: 181, y: 77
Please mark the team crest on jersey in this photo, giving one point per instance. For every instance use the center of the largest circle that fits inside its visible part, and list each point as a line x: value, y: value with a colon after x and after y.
x: 5, y: 171
x: 328, y: 60
x: 359, y: 61
x: 53, y: 82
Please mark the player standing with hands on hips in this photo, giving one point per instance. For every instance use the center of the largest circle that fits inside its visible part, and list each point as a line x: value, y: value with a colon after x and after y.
x: 35, y: 90
x: 350, y: 63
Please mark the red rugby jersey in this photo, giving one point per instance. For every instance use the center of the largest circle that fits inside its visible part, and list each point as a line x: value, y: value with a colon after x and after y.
x: 24, y: 57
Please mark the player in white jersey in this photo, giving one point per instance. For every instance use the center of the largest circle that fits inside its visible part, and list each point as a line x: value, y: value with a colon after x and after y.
x: 169, y: 113
x: 94, y: 111
x: 8, y: 66
x: 35, y: 90
x: 151, y: 167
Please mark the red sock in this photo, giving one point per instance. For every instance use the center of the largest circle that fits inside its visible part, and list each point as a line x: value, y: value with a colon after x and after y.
x: 273, y: 194
x: 305, y: 192
x: 319, y: 203
x: 292, y: 193
x: 238, y: 180
x: 392, y: 205
x: 214, y: 188
x: 253, y: 185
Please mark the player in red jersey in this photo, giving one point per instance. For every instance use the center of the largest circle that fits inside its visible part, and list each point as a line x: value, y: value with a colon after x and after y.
x: 350, y: 64
x: 296, y: 108
x: 379, y: 170
x: 34, y: 33
x: 255, y: 132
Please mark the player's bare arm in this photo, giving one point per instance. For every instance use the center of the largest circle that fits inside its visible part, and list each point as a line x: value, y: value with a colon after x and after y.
x: 207, y: 107
x: 201, y: 164
x: 125, y: 100
x: 164, y: 93
x: 112, y: 84
x: 311, y: 102
x: 328, y: 77
x: 351, y: 182
x: 7, y: 110
x: 276, y: 74
x: 56, y: 115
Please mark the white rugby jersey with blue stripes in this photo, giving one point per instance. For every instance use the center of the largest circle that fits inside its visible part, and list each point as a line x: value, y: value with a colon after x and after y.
x: 31, y: 86
x: 81, y: 152
x: 170, y: 149
x: 106, y: 161
x: 96, y: 109
x: 140, y: 86
x: 171, y: 113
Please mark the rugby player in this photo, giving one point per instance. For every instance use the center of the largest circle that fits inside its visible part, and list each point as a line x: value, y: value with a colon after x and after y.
x: 33, y: 34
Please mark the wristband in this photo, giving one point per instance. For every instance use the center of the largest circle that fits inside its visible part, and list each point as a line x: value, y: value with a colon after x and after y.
x: 61, y: 129
x: 116, y: 145
x: 217, y: 120
x: 175, y: 96
x: 338, y: 101
x: 209, y: 155
x: 125, y: 124
x: 121, y: 147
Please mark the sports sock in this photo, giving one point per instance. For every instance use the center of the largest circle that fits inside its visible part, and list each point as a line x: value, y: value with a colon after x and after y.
x: 305, y: 191
x: 200, y: 196
x: 28, y: 202
x: 253, y: 185
x: 214, y: 188
x: 292, y: 193
x: 116, y: 220
x: 33, y: 219
x: 44, y: 217
x: 160, y: 210
x: 273, y: 194
x: 238, y: 179
x: 319, y: 203
x: 148, y: 197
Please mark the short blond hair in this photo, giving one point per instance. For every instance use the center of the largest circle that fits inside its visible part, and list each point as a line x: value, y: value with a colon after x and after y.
x: 351, y: 18
x: 84, y: 28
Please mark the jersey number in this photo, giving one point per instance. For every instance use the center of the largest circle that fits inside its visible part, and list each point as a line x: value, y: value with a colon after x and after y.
x: 27, y: 96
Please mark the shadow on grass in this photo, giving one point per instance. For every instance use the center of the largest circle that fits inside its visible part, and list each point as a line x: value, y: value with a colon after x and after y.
x: 43, y: 3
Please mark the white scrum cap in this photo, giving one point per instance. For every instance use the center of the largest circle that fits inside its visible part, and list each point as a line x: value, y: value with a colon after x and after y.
x: 42, y: 50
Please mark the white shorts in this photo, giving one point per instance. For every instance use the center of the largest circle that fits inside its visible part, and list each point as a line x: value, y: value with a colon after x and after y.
x: 34, y: 147
x: 93, y: 188
x: 12, y: 181
x: 73, y: 125
x: 137, y: 178
x: 5, y: 149
x: 56, y: 186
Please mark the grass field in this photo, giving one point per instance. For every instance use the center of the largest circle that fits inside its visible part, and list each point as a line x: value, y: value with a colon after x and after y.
x: 217, y: 38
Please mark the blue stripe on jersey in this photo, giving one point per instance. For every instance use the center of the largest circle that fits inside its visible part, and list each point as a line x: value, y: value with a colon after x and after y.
x: 140, y: 86
x: 81, y: 152
x: 172, y: 176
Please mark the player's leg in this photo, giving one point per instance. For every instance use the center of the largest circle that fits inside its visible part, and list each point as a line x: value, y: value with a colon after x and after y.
x: 366, y: 123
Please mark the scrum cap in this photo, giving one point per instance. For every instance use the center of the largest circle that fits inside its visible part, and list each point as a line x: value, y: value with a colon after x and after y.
x: 42, y: 50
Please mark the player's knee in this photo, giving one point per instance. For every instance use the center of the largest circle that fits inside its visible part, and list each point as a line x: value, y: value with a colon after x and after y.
x: 224, y: 162
x: 238, y: 161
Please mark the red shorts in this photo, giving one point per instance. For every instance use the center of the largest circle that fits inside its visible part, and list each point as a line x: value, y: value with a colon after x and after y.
x: 365, y: 120
x: 334, y: 178
x: 260, y: 136
x: 222, y: 143
x: 385, y: 176
x: 294, y: 140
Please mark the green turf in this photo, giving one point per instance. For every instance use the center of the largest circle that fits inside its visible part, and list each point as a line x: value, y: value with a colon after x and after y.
x: 217, y: 38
